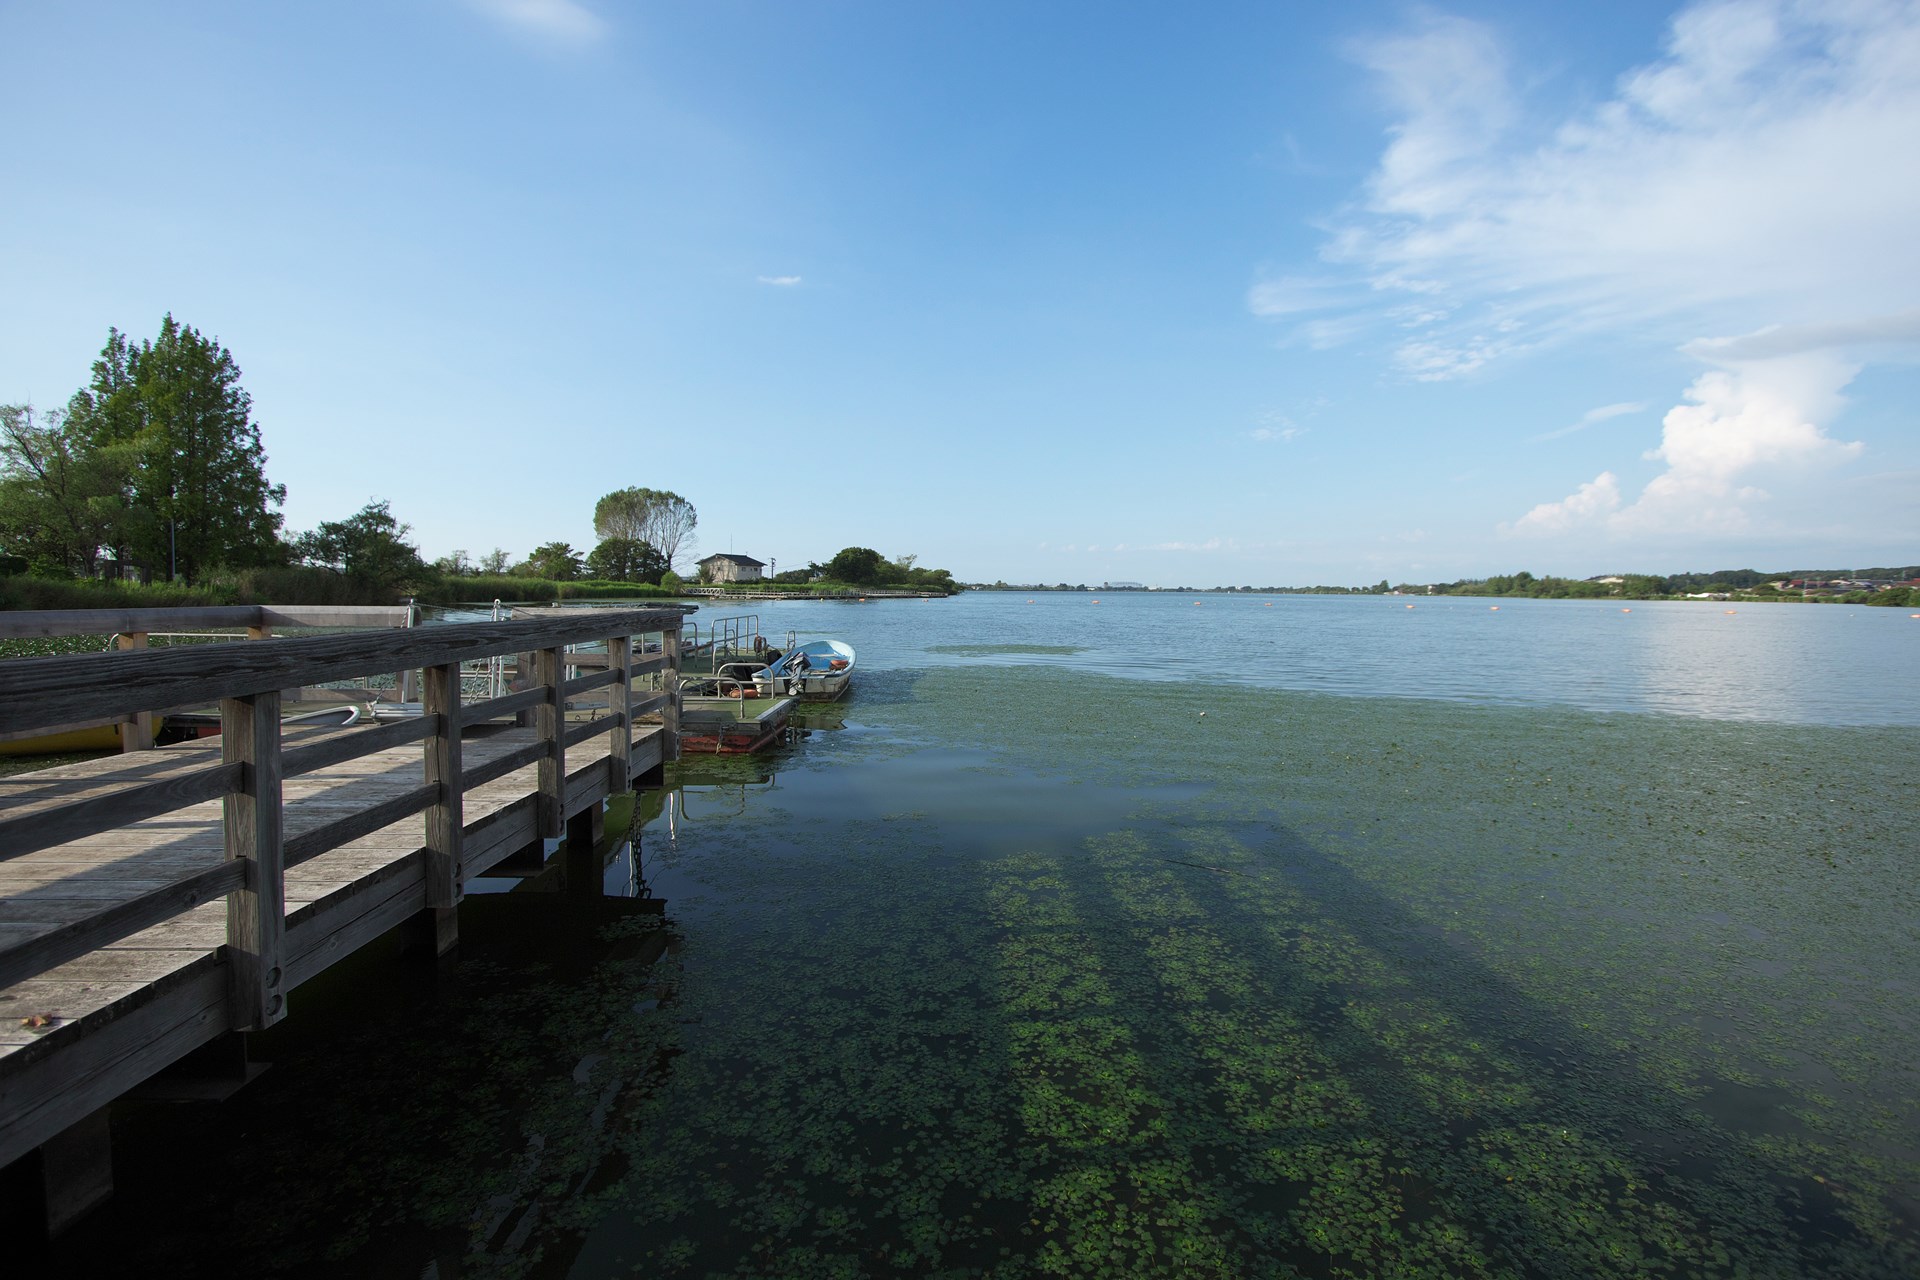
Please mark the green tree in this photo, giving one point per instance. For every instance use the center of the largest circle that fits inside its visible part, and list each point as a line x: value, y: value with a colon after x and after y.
x: 553, y: 560
x: 370, y: 545
x: 197, y: 494
x: 860, y: 566
x: 659, y: 517
x: 625, y: 560
x: 62, y: 499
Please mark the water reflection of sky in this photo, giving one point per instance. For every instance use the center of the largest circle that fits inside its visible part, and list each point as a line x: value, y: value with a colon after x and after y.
x: 1810, y: 664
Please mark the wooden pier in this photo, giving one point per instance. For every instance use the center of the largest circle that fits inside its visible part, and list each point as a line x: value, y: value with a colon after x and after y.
x: 155, y: 902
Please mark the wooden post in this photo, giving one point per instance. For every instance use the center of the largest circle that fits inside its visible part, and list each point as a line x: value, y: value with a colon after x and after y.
x: 549, y: 722
x: 256, y: 912
x: 76, y: 1170
x: 620, y: 702
x: 522, y: 679
x: 586, y: 828
x: 445, y: 819
x: 670, y: 679
x: 137, y: 733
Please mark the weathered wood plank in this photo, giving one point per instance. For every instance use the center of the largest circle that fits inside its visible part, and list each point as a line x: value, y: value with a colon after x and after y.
x: 65, y: 942
x: 334, y: 615
x: 361, y: 822
x: 549, y: 721
x: 479, y: 775
x: 21, y: 623
x: 58, y: 690
x: 50, y: 1091
x: 579, y: 733
x: 620, y: 701
x: 505, y: 705
x: 343, y: 745
x: 75, y: 820
x: 256, y: 911
x: 444, y: 773
x: 587, y: 684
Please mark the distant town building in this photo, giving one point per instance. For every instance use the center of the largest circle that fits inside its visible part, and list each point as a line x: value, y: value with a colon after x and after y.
x: 727, y: 567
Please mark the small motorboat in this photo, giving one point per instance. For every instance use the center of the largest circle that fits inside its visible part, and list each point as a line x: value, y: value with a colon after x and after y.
x: 818, y: 671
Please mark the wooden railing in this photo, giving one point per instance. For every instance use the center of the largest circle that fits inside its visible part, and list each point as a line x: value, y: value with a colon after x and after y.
x: 130, y: 629
x: 245, y: 680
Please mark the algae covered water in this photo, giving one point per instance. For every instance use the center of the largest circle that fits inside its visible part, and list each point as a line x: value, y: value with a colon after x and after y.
x: 1568, y: 949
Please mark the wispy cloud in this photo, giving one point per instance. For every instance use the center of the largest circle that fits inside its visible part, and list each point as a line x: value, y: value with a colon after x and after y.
x: 779, y: 282
x: 1211, y: 544
x: 1755, y: 164
x: 1275, y: 425
x: 1589, y: 418
x: 565, y: 21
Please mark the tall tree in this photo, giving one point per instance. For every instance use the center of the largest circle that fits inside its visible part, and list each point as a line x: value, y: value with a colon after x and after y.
x: 661, y: 518
x: 199, y: 495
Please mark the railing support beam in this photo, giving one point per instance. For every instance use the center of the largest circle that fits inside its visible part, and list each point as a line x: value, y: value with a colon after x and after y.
x: 549, y: 672
x: 137, y: 733
x: 620, y: 701
x: 445, y: 819
x: 256, y: 912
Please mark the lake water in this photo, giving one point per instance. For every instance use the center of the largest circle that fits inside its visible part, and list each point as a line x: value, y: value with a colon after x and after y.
x: 1449, y: 941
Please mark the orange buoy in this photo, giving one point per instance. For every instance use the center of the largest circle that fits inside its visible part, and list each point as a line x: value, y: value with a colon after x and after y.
x: 1493, y: 608
x: 1731, y: 611
x: 1409, y: 606
x: 1626, y: 611
x: 1269, y: 604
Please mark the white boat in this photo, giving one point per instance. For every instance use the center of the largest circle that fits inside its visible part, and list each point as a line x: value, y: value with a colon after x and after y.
x: 818, y: 671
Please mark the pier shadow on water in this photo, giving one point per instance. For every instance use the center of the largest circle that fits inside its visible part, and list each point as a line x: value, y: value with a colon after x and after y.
x: 936, y: 1012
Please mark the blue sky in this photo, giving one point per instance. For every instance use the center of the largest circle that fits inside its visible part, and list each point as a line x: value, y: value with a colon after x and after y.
x: 1222, y: 294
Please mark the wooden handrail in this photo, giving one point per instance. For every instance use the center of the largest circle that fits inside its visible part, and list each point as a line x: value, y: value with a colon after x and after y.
x: 245, y: 680
x: 37, y: 692
x: 22, y: 623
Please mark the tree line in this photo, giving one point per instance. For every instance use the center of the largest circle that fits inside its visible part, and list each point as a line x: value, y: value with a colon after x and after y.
x: 155, y: 470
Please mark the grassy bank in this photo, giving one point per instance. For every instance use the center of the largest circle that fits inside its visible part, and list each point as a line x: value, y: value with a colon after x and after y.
x: 304, y: 586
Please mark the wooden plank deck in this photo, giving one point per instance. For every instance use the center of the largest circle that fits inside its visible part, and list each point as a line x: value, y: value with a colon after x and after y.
x: 121, y: 1012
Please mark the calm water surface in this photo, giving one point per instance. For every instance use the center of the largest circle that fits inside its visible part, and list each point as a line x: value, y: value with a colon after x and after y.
x: 1546, y: 941
x: 1812, y: 664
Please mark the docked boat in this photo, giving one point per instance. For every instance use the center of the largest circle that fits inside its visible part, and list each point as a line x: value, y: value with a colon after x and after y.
x: 818, y: 671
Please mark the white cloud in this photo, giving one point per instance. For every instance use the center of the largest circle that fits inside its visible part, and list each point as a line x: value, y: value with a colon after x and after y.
x: 560, y: 20
x: 1291, y: 294
x: 779, y: 282
x: 1745, y: 421
x: 1756, y: 164
x: 1763, y: 415
x: 1211, y: 544
x: 1285, y: 435
x: 1589, y: 418
x: 1592, y: 501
